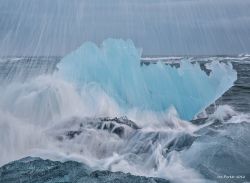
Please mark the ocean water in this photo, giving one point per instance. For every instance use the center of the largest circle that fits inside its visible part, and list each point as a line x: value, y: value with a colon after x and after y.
x: 114, y: 115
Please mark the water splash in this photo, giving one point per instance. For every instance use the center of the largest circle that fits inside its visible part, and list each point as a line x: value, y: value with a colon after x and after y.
x: 45, y: 116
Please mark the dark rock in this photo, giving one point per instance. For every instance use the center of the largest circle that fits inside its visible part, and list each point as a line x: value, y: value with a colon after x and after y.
x: 180, y: 143
x: 122, y: 120
x: 199, y: 121
x: 119, y: 131
x: 72, y: 134
x: 29, y: 170
x: 116, y: 125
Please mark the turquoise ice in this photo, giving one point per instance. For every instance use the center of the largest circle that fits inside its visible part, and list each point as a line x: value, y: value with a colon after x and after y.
x: 115, y: 68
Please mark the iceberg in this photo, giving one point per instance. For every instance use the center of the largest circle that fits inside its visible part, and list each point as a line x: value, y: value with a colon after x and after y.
x: 115, y: 68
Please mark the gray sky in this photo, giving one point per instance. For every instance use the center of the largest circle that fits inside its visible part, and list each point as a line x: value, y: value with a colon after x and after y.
x: 160, y: 27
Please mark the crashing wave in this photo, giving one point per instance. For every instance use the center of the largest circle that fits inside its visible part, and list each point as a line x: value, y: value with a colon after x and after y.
x: 73, y: 113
